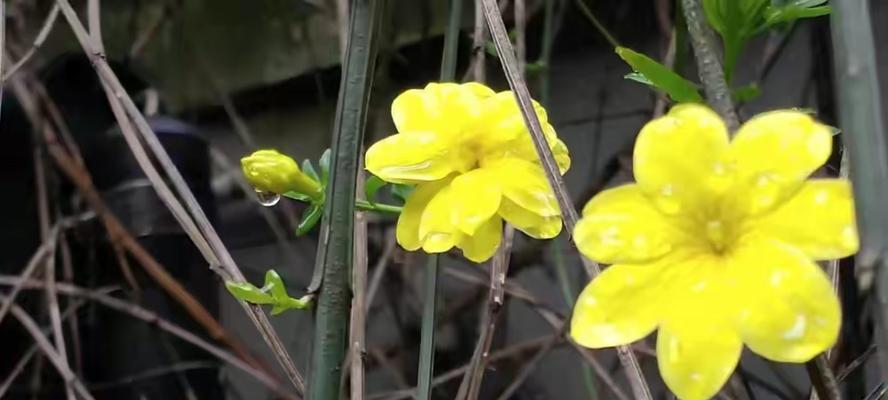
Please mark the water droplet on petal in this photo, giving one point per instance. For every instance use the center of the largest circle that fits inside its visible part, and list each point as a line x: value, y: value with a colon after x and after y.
x: 267, y: 199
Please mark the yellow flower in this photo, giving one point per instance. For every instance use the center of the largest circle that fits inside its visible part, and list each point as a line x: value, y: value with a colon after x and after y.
x: 715, y: 246
x: 271, y: 171
x: 473, y: 163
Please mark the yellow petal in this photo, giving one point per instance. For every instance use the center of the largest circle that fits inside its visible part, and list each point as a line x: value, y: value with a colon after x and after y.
x: 774, y: 153
x: 818, y: 220
x: 618, y: 307
x: 410, y: 158
x: 480, y: 246
x: 679, y: 159
x: 437, y: 226
x: 407, y: 231
x: 793, y: 314
x: 525, y: 184
x: 697, y: 359
x: 444, y: 108
x: 621, y: 225
x: 532, y: 224
x: 476, y: 198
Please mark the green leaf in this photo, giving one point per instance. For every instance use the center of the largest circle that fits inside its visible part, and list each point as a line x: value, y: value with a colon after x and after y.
x: 298, y: 196
x: 324, y: 162
x: 247, y: 292
x: 274, y: 293
x: 736, y: 21
x: 309, y: 170
x: 635, y: 76
x: 660, y: 77
x: 371, y: 186
x: 402, y: 191
x: 745, y: 94
x: 310, y: 218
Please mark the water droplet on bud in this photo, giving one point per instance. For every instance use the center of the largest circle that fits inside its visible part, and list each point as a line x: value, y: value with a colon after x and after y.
x: 267, y: 199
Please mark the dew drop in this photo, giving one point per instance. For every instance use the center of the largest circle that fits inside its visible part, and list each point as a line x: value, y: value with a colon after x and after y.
x: 267, y: 199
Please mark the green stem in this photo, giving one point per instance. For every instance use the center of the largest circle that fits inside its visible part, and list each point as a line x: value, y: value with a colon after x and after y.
x: 451, y: 41
x: 862, y: 128
x: 598, y: 25
x: 365, y: 205
x: 568, y: 294
x: 427, y: 343
x: 334, y: 300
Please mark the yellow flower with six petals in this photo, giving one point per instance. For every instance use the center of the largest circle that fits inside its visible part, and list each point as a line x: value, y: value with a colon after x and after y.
x: 715, y: 246
x: 467, y: 151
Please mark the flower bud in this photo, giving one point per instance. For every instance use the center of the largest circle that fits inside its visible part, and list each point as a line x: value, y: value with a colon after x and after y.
x: 271, y: 171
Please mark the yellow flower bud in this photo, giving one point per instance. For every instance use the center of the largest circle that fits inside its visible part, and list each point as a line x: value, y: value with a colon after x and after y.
x: 271, y: 171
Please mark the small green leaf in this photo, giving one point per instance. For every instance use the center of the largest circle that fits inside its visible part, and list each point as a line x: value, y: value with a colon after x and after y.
x: 247, y: 292
x: 324, y: 162
x: 661, y: 77
x: 310, y: 218
x: 402, y: 191
x: 635, y: 76
x: 309, y: 170
x: 745, y: 94
x: 298, y: 196
x: 274, y: 293
x: 371, y: 186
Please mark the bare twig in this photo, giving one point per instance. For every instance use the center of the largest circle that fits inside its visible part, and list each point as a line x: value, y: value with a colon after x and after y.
x: 502, y: 354
x: 39, y: 255
x: 152, y: 318
x: 38, y: 42
x: 381, y: 266
x: 712, y: 75
x: 200, y: 230
x: 78, y: 175
x: 73, y: 323
x: 45, y: 346
x: 499, y: 267
x: 520, y: 11
x: 479, y: 41
x: 69, y: 313
x: 568, y: 212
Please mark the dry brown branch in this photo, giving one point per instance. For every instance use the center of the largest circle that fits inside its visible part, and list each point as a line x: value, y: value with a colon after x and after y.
x: 200, y: 229
x: 78, y: 175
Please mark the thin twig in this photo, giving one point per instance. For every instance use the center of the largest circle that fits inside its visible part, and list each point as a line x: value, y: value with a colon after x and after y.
x: 584, y: 9
x: 45, y: 346
x: 569, y: 213
x: 520, y: 11
x: 712, y: 75
x: 151, y: 373
x: 204, y: 233
x: 381, y: 266
x: 152, y: 318
x: 73, y: 322
x: 69, y: 313
x: 38, y: 42
x: 479, y: 43
x: 27, y: 272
